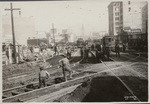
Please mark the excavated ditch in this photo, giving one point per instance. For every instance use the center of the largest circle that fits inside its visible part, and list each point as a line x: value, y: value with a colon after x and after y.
x: 107, y: 89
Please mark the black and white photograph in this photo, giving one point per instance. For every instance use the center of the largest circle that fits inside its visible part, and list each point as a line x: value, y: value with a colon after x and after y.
x: 74, y: 51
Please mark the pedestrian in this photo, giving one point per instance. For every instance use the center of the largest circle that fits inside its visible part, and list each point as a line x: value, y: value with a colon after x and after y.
x: 117, y: 50
x: 55, y: 49
x: 107, y: 52
x: 98, y: 52
x: 82, y: 52
x: 68, y: 53
x: 43, y: 75
x: 31, y: 49
x: 64, y: 63
x: 124, y: 47
x: 86, y: 53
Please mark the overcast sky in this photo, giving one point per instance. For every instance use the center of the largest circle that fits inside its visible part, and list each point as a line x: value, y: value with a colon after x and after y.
x: 65, y: 14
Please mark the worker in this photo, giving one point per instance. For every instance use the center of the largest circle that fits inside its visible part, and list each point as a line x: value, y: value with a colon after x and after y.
x: 86, y: 53
x: 43, y: 75
x: 64, y: 63
x: 98, y: 51
x: 124, y: 47
x: 68, y: 53
x: 56, y: 49
x: 107, y: 52
x: 117, y: 50
x: 82, y: 52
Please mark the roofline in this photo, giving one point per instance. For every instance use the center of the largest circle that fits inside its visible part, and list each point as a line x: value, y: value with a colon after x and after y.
x: 114, y: 2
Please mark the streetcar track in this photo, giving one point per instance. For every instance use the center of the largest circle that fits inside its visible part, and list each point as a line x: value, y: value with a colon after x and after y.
x: 121, y: 81
x: 29, y: 73
x: 127, y: 66
x: 111, y: 70
x: 24, y: 86
x: 89, y: 69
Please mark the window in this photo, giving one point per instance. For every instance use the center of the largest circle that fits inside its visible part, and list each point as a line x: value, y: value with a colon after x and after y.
x: 116, y: 9
x: 117, y: 13
x: 129, y: 9
x: 116, y: 18
x: 117, y: 28
x: 129, y: 2
x: 114, y: 4
x: 117, y: 23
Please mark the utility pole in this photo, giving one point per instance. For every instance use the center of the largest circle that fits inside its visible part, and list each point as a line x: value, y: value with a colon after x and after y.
x: 13, y: 33
x: 53, y: 32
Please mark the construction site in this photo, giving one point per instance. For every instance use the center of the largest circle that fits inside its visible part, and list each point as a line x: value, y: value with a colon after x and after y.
x: 115, y: 80
x: 96, y: 52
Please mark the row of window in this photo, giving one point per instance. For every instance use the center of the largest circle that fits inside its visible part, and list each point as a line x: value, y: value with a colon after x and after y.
x: 116, y: 4
x: 116, y: 18
x: 117, y: 13
x: 116, y: 23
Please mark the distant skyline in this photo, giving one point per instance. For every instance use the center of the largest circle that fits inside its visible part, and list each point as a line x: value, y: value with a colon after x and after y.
x: 64, y: 14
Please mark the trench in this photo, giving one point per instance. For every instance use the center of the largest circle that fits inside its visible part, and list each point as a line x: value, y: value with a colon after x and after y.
x: 107, y: 89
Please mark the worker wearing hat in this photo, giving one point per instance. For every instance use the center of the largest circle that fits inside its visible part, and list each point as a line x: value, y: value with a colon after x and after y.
x: 64, y: 63
x: 43, y: 75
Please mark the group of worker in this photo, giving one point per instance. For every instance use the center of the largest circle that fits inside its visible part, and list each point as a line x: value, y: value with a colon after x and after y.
x: 68, y: 51
x: 101, y: 52
x: 63, y: 63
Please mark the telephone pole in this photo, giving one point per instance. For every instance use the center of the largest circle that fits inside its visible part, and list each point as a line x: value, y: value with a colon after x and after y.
x: 13, y: 33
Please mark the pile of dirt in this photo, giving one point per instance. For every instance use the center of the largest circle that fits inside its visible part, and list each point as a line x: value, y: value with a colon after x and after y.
x: 54, y: 60
x: 27, y: 67
x: 101, y: 89
x: 9, y: 70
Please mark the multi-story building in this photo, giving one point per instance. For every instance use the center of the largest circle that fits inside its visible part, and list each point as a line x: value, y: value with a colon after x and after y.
x: 115, y: 10
x: 145, y: 19
x: 126, y: 14
x: 132, y: 14
x: 36, y: 42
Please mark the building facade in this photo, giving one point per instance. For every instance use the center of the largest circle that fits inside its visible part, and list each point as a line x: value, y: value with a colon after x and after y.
x: 115, y: 12
x: 132, y: 14
x: 145, y: 19
x: 36, y: 42
x: 126, y: 14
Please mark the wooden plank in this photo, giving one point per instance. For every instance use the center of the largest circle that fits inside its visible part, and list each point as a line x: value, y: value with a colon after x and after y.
x: 50, y: 89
